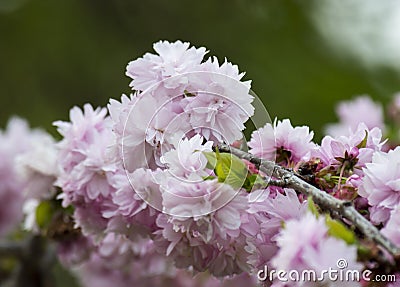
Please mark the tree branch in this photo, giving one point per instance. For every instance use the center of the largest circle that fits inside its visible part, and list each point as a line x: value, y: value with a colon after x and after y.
x: 326, y: 202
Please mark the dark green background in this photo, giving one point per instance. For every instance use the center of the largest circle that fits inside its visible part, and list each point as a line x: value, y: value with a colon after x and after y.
x: 57, y: 54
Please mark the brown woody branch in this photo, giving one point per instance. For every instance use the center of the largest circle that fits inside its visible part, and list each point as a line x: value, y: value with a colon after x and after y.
x: 325, y: 201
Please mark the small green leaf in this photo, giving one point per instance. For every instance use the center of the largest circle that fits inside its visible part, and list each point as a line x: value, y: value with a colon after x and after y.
x: 223, y: 166
x: 312, y: 207
x: 188, y: 94
x: 363, y: 143
x: 231, y: 170
x: 44, y: 213
x: 363, y: 251
x: 211, y: 159
x: 253, y: 180
x: 339, y: 230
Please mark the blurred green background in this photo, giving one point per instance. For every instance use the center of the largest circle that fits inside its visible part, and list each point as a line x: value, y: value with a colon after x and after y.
x: 57, y: 54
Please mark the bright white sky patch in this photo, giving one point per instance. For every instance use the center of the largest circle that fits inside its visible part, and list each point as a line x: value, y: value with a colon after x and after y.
x: 366, y: 29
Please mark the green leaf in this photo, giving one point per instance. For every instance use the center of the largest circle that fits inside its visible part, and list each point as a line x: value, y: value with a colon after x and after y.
x: 312, y: 206
x: 363, y: 251
x: 363, y: 143
x: 211, y: 159
x: 231, y: 170
x: 254, y: 180
x: 44, y: 213
x: 223, y: 166
x: 188, y: 94
x: 339, y: 230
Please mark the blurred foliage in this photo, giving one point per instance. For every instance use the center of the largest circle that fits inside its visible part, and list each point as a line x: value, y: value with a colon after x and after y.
x: 57, y: 54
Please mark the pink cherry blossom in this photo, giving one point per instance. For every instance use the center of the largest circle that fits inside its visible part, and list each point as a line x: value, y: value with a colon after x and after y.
x: 187, y: 161
x: 282, y: 138
x: 164, y: 71
x: 146, y: 127
x: 268, y: 210
x: 220, y: 104
x: 87, y: 166
x: 392, y: 227
x: 84, y: 158
x: 305, y: 245
x: 381, y: 184
x: 333, y: 148
x: 353, y: 112
x: 38, y: 167
x: 18, y: 141
x: 136, y: 203
x: 204, y: 219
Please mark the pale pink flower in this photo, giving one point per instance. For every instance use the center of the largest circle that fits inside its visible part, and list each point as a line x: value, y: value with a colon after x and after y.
x: 282, y: 139
x: 220, y: 104
x: 119, y: 111
x: 85, y: 160
x: 146, y: 184
x: 74, y: 251
x: 87, y: 166
x: 150, y: 127
x: 38, y: 167
x: 397, y: 283
x: 150, y: 271
x: 119, y: 250
x: 166, y: 70
x: 305, y: 245
x: 393, y: 110
x: 333, y: 148
x: 204, y: 219
x: 268, y: 210
x: 197, y: 200
x: 392, y: 227
x: 220, y: 257
x: 381, y: 184
x: 187, y: 161
x: 15, y: 141
x: 353, y: 112
x: 116, y: 263
x: 89, y: 217
x: 136, y: 203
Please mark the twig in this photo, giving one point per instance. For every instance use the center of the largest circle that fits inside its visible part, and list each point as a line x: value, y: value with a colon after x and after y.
x: 327, y: 202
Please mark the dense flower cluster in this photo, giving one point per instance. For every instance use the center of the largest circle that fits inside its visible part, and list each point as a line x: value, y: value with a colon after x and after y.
x: 316, y: 251
x: 147, y: 198
x: 27, y: 170
x: 381, y: 184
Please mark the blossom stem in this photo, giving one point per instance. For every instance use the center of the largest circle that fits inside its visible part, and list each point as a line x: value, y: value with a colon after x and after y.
x: 324, y: 200
x: 340, y: 178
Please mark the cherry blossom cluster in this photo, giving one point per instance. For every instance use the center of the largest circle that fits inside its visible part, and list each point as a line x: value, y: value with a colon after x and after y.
x: 28, y: 169
x: 145, y: 198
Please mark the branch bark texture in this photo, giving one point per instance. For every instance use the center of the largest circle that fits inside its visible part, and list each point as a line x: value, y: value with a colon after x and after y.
x: 325, y: 201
